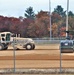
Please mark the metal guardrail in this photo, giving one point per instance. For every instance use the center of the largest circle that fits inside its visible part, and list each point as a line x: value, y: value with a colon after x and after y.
x: 47, y: 41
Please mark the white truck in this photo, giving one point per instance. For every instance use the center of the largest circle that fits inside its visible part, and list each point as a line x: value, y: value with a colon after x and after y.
x: 6, y: 39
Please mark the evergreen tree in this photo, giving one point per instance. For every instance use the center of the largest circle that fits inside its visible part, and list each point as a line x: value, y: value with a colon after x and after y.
x: 29, y: 13
x: 60, y: 11
x: 70, y: 13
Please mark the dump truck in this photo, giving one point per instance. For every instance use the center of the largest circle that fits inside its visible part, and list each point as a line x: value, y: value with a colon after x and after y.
x: 6, y: 39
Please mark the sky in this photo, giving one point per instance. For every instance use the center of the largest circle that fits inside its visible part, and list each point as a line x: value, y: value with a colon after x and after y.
x: 16, y: 8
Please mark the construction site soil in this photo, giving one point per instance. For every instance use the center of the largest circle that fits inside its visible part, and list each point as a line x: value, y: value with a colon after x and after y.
x: 44, y: 56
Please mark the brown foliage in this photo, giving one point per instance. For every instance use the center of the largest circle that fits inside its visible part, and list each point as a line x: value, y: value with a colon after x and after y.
x: 40, y: 27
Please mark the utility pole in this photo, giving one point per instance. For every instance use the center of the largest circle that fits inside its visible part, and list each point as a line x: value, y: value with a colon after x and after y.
x: 67, y: 18
x: 50, y: 19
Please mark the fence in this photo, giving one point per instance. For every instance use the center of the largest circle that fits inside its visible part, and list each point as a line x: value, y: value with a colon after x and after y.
x: 46, y: 58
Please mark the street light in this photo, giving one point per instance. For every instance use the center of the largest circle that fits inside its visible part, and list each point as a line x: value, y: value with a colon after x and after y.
x: 66, y: 36
x: 67, y: 17
x: 50, y: 18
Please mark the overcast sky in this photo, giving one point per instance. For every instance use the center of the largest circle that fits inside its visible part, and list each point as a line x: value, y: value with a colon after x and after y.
x: 17, y: 8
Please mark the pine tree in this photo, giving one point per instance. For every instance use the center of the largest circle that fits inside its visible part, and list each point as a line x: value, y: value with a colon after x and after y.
x: 29, y: 13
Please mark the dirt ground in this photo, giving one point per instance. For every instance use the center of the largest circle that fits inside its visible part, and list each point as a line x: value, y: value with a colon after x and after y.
x: 44, y: 56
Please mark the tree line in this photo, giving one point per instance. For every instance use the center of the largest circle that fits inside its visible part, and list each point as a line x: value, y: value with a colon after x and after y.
x: 38, y: 25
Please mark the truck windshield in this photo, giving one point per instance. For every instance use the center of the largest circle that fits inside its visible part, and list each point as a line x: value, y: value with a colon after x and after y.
x: 8, y: 37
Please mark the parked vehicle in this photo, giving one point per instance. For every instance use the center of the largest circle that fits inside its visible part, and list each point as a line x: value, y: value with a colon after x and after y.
x: 6, y: 39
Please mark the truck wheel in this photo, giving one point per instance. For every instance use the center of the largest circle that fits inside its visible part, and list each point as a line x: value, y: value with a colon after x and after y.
x: 33, y: 46
x: 5, y: 46
x: 1, y: 46
x: 29, y: 47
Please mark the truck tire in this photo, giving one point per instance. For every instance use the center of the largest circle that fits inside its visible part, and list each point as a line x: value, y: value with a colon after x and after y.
x: 33, y: 46
x: 29, y: 46
x: 1, y: 46
x: 5, y: 46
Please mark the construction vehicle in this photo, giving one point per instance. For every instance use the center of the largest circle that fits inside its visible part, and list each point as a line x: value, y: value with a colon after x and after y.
x: 67, y: 46
x: 6, y: 39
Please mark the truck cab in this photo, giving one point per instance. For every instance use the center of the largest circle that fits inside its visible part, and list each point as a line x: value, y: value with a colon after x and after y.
x: 5, y: 39
x: 5, y: 36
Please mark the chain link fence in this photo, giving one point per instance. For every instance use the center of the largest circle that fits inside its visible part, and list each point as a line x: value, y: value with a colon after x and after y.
x: 46, y: 58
